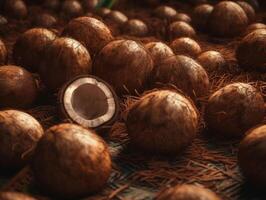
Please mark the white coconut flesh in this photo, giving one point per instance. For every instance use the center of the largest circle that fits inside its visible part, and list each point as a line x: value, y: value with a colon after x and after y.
x: 89, y: 102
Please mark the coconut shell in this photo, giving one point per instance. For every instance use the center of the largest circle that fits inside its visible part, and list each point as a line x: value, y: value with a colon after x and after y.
x: 253, y: 27
x: 71, y: 162
x: 180, y: 29
x: 130, y: 58
x: 15, y: 196
x: 64, y: 59
x: 185, y: 73
x: 18, y: 87
x: 165, y: 12
x: 187, y: 192
x: 186, y: 46
x: 201, y: 15
x: 45, y: 20
x: 250, y: 52
x: 19, y: 133
x: 163, y: 122
x: 3, y: 53
x: 89, y: 5
x: 135, y: 27
x: 182, y: 17
x: 234, y: 109
x: 72, y: 8
x: 159, y: 51
x: 29, y: 48
x: 116, y: 17
x: 90, y: 32
x: 16, y: 9
x: 212, y: 61
x: 249, y: 10
x: 227, y: 19
x: 251, y: 156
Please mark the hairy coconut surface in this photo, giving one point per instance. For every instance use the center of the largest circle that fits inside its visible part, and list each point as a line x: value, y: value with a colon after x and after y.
x: 72, y: 8
x: 227, y: 19
x: 16, y: 9
x: 186, y: 46
x: 89, y: 102
x: 45, y: 20
x: 165, y: 12
x: 15, y: 196
x: 116, y: 17
x: 3, y: 53
x: 135, y: 27
x: 29, y: 48
x: 253, y: 27
x: 18, y: 87
x: 131, y: 58
x: 182, y: 17
x: 249, y: 10
x: 251, y: 156
x: 71, y: 161
x: 250, y: 53
x: 163, y: 122
x: 187, y: 192
x: 233, y: 109
x: 91, y: 32
x: 159, y: 51
x: 212, y: 61
x: 180, y: 29
x: 201, y: 15
x: 19, y: 133
x: 185, y: 73
x: 64, y: 59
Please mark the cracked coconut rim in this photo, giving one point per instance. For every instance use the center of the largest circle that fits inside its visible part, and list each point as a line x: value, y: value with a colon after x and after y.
x: 89, y: 101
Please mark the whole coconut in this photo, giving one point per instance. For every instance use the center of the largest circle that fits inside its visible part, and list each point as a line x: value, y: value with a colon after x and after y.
x: 103, y: 12
x: 16, y: 9
x: 250, y: 52
x: 163, y: 122
x: 89, y: 5
x: 45, y: 20
x: 3, y: 53
x: 135, y: 27
x: 71, y: 162
x: 29, y: 47
x: 18, y: 87
x: 187, y: 192
x: 227, y: 19
x: 234, y: 109
x: 180, y: 29
x: 72, y: 8
x: 64, y: 59
x: 186, y: 46
x: 116, y: 17
x: 15, y: 196
x: 182, y: 17
x: 165, y: 12
x: 249, y: 10
x: 201, y: 15
x: 159, y: 51
x: 51, y: 4
x: 253, y: 27
x: 212, y: 61
x: 185, y: 73
x: 19, y: 133
x: 89, y: 31
x: 130, y: 58
x: 251, y: 156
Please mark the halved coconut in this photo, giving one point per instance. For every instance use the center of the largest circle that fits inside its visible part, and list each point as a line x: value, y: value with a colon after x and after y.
x: 89, y: 102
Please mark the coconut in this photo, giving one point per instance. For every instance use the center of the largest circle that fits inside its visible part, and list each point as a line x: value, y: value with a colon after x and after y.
x: 212, y: 61
x: 234, y: 109
x: 135, y: 27
x: 186, y: 46
x: 15, y: 196
x: 71, y: 162
x: 45, y: 20
x: 227, y: 19
x: 250, y: 52
x: 180, y: 29
x: 130, y: 58
x: 165, y: 12
x: 185, y: 73
x: 19, y: 134
x: 89, y: 31
x: 159, y: 51
x: 116, y: 17
x: 201, y: 15
x: 253, y: 27
x: 251, y: 156
x: 103, y: 12
x: 89, y: 102
x: 187, y: 192
x: 51, y: 4
x: 3, y: 53
x: 16, y: 9
x: 29, y: 47
x: 18, y: 87
x: 249, y: 10
x: 163, y: 122
x: 72, y: 8
x: 89, y: 5
x: 182, y: 17
x: 64, y: 59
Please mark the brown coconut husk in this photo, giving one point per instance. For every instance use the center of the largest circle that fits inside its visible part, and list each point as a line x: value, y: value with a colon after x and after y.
x: 201, y: 15
x: 165, y: 12
x: 249, y: 10
x: 71, y: 9
x: 16, y: 9
x: 135, y: 27
x: 253, y: 27
x: 180, y: 29
x: 45, y: 20
x: 182, y: 17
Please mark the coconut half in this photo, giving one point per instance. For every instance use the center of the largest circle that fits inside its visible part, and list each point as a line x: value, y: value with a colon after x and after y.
x: 89, y: 102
